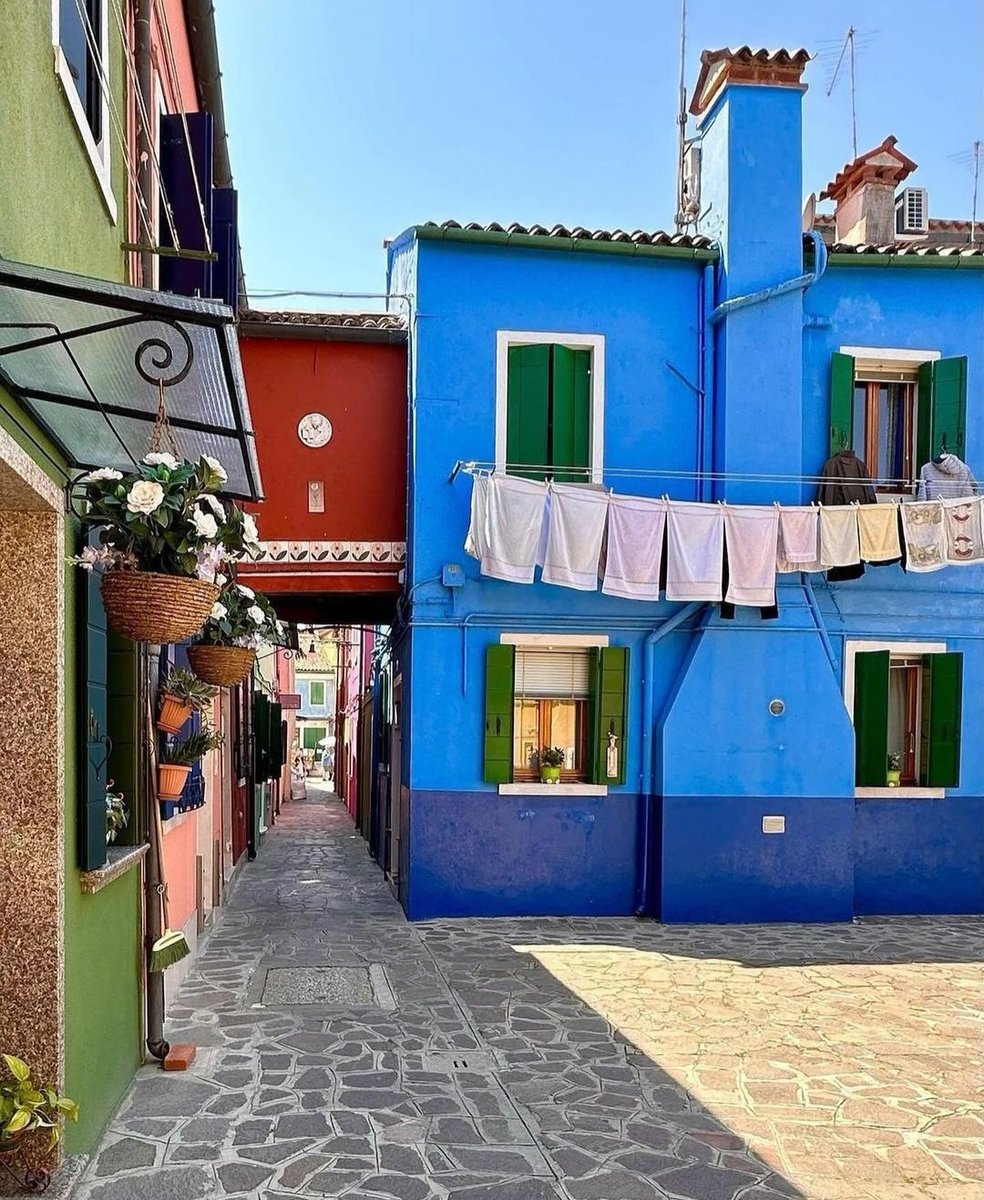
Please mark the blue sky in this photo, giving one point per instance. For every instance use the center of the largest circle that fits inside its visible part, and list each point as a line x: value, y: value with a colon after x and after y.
x: 351, y: 119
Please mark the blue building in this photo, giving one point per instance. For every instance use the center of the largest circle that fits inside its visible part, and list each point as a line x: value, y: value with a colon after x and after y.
x: 745, y: 778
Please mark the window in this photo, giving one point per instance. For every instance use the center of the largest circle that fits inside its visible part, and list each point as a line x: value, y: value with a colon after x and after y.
x: 896, y: 413
x: 907, y: 717
x: 311, y: 735
x: 317, y: 692
x: 549, y: 401
x: 80, y: 33
x: 575, y: 698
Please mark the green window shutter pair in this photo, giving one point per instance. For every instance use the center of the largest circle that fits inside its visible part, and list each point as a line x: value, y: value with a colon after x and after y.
x: 94, y: 714
x: 942, y: 697
x: 548, y: 411
x: 608, y: 708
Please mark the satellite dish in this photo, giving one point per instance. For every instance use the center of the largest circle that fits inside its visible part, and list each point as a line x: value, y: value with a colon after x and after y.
x: 809, y: 212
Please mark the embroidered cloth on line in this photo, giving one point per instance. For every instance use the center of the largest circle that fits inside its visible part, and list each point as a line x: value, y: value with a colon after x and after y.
x: 962, y: 522
x: 636, y: 526
x: 925, y: 535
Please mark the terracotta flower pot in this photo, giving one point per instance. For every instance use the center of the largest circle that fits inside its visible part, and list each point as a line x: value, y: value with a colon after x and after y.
x: 222, y: 666
x: 171, y: 780
x: 159, y: 609
x: 173, y: 714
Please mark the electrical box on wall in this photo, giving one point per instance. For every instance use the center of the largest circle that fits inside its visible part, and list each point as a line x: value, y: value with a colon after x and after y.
x: 452, y: 576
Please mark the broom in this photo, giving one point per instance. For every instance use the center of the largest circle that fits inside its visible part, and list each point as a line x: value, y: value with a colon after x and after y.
x: 172, y: 946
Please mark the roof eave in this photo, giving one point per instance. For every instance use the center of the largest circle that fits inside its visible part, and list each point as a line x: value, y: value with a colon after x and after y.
x: 553, y: 242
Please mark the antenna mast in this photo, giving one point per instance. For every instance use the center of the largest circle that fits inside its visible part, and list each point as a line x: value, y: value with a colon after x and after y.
x: 680, y: 219
x: 849, y: 47
x: 971, y: 158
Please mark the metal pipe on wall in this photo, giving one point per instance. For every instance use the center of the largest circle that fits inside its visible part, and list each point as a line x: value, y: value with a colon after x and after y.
x: 142, y: 50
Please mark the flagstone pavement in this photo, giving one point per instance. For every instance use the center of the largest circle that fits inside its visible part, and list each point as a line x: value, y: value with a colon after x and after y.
x: 551, y: 1059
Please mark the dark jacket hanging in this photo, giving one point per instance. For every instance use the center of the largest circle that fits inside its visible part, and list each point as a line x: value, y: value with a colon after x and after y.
x: 845, y: 480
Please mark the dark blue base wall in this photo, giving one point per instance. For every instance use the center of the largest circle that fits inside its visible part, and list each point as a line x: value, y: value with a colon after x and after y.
x: 482, y: 854
x: 919, y: 856
x: 718, y: 866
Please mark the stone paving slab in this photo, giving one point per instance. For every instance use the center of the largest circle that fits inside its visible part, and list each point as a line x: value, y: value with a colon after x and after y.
x: 553, y: 1059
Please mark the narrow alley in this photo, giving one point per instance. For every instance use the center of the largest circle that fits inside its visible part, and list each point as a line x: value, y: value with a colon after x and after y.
x: 343, y: 1051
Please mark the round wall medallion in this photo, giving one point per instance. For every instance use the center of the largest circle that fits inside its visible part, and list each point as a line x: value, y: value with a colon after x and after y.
x: 777, y: 707
x: 314, y: 430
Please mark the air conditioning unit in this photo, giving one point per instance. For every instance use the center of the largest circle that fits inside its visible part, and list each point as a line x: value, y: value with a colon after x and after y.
x: 912, y: 212
x: 691, y: 182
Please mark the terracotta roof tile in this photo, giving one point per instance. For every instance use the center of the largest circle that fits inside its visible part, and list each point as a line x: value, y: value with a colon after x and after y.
x: 776, y: 67
x: 639, y: 237
x: 332, y: 320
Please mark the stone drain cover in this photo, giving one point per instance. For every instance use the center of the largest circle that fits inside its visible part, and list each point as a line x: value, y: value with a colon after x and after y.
x: 334, y: 987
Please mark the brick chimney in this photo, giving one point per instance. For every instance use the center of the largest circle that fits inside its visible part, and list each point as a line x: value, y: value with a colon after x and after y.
x: 864, y: 193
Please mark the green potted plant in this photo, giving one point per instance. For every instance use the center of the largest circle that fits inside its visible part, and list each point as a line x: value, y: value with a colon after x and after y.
x: 182, y: 693
x: 551, y: 761
x: 176, y: 762
x: 164, y: 536
x: 240, y: 622
x: 117, y: 816
x: 26, y: 1106
x: 894, y: 771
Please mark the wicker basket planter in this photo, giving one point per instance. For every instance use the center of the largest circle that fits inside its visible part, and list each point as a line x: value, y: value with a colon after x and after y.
x: 146, y: 607
x: 223, y: 666
x: 171, y: 780
x: 174, y: 714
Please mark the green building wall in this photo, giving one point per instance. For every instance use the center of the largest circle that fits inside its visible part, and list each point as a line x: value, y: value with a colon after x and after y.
x: 52, y: 213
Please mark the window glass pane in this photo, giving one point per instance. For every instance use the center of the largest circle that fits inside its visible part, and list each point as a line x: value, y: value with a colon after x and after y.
x: 566, y: 726
x: 860, y: 419
x: 898, y: 712
x: 526, y: 735
x: 894, y: 430
x: 71, y: 37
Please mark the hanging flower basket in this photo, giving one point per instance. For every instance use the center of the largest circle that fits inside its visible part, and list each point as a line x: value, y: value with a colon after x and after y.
x: 171, y: 778
x: 224, y: 666
x: 145, y: 606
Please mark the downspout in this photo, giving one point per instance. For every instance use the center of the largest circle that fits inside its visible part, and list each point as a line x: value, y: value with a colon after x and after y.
x: 142, y: 38
x: 646, y: 780
x: 800, y: 283
x: 706, y: 343
x: 149, y: 667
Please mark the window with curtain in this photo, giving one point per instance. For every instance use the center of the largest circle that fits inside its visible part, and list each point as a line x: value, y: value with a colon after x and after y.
x: 551, y: 709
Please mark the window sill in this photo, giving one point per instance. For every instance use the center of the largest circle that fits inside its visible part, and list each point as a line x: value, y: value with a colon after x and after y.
x: 553, y: 789
x: 899, y: 793
x: 98, y: 156
x: 119, y: 860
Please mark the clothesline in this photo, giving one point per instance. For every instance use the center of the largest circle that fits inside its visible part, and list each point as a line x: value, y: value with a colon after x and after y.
x: 487, y: 467
x: 641, y: 547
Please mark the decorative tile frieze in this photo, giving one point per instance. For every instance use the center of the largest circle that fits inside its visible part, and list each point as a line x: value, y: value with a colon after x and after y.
x: 332, y: 552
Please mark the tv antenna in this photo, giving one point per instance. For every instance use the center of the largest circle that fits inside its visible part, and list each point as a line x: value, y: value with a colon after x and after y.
x: 971, y: 158
x: 847, y: 51
x: 680, y: 218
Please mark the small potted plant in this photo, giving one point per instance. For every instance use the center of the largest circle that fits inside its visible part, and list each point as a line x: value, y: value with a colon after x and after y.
x: 894, y: 772
x: 551, y: 761
x: 176, y: 762
x: 240, y: 622
x: 117, y: 816
x: 26, y: 1106
x: 182, y: 693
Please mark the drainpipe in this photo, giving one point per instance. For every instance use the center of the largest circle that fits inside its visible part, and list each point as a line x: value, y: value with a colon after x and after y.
x: 157, y: 1046
x: 800, y: 283
x: 706, y: 344
x: 142, y: 15
x: 646, y: 781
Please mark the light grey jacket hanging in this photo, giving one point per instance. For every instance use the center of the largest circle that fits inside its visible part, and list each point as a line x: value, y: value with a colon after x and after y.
x: 949, y: 479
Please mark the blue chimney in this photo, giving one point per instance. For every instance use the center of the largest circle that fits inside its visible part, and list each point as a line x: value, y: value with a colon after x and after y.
x: 749, y: 109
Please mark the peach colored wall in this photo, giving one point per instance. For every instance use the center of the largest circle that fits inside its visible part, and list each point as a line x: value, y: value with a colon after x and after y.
x: 180, y: 851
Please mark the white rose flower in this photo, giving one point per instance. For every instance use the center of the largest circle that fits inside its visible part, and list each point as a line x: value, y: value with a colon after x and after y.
x: 221, y: 580
x: 102, y: 473
x: 214, y: 505
x: 246, y: 591
x: 205, y: 524
x: 217, y: 469
x: 161, y: 460
x: 249, y: 527
x: 256, y: 614
x: 146, y: 496
x: 219, y: 610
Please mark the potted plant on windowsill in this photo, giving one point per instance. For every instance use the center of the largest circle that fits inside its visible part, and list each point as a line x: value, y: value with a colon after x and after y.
x: 551, y: 761
x: 117, y: 816
x: 26, y: 1106
x: 241, y: 621
x: 182, y: 693
x: 164, y: 536
x: 894, y: 771
x: 176, y: 761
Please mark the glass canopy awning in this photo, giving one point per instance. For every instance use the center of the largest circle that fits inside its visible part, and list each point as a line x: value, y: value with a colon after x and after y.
x: 87, y: 359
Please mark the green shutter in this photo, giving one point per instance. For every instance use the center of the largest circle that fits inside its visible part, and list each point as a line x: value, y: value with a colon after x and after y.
x: 871, y: 718
x: 261, y: 737
x: 924, y: 416
x: 528, y: 408
x: 841, y: 402
x: 949, y: 406
x: 570, y: 427
x: 94, y: 713
x: 610, y: 712
x: 499, y: 701
x: 942, y: 698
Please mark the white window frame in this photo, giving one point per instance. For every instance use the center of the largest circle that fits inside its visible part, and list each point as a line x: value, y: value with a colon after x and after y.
x: 902, y: 649
x: 595, y: 342
x: 99, y: 153
x: 553, y: 641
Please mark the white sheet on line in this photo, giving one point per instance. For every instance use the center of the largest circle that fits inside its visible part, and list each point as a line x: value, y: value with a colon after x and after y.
x: 576, y: 521
x: 799, y: 539
x: 475, y: 540
x: 840, y: 545
x: 751, y: 533
x: 694, y: 551
x: 514, y: 520
x: 636, y: 526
